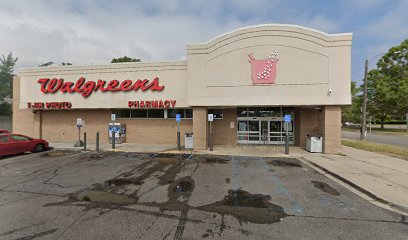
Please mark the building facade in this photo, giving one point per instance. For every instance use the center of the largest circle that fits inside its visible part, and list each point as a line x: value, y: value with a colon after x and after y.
x: 249, y: 79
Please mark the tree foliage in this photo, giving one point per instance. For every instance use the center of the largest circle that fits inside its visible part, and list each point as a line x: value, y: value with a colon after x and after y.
x: 7, y: 64
x: 388, y: 85
x: 51, y: 63
x: 352, y: 113
x: 125, y: 59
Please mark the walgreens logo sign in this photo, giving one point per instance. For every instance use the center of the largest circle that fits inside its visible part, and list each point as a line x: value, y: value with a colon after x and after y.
x: 86, y: 88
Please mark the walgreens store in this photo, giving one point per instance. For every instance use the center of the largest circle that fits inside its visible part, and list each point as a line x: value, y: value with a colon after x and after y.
x: 248, y: 78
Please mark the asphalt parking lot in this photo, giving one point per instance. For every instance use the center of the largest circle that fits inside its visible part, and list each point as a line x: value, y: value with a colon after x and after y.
x: 112, y: 195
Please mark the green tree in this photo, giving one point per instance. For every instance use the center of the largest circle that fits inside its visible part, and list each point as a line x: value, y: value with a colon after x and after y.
x: 125, y: 59
x: 352, y: 113
x: 380, y: 100
x: 388, y: 85
x: 7, y: 64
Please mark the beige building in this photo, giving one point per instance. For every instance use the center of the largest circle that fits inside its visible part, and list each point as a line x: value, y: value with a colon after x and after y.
x: 249, y: 79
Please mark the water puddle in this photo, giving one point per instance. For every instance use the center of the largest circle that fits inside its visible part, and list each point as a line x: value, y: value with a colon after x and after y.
x: 96, y: 156
x: 247, y: 207
x: 285, y: 162
x: 58, y: 153
x: 184, y: 186
x: 123, y: 181
x: 105, y: 197
x: 212, y: 159
x: 325, y: 188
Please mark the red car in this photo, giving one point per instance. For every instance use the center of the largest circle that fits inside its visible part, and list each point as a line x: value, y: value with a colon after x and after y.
x: 16, y: 143
x: 2, y: 131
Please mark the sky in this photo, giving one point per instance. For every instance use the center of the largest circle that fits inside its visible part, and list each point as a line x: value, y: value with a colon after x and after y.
x: 95, y: 31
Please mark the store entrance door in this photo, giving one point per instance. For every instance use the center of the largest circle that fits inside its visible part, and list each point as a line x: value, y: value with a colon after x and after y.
x: 263, y: 131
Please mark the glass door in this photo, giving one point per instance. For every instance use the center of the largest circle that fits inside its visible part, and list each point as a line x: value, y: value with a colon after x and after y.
x: 264, y: 132
x: 248, y: 131
x: 275, y: 132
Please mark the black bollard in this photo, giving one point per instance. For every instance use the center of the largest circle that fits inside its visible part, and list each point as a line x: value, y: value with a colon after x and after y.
x: 97, y: 141
x: 113, y: 140
x: 178, y: 141
x: 84, y: 141
x: 287, y: 144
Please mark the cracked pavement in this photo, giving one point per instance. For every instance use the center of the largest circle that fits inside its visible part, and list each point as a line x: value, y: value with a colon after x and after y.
x: 113, y: 195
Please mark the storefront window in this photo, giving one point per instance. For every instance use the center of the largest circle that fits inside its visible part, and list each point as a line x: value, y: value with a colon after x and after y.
x: 242, y: 112
x: 171, y: 113
x: 218, y: 113
x: 155, y: 113
x: 138, y: 113
x: 259, y: 112
x: 251, y: 112
x: 189, y: 113
x: 185, y: 113
x: 122, y: 113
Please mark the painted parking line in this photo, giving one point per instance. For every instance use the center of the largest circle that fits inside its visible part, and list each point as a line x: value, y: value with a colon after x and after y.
x: 282, y: 190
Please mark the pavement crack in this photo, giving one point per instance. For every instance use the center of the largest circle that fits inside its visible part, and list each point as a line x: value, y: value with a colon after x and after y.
x: 7, y: 203
x: 38, y: 235
x: 21, y: 229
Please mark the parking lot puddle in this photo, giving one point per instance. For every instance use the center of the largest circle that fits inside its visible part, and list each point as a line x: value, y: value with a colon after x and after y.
x: 212, y: 159
x: 123, y: 181
x: 247, y: 207
x: 58, y: 153
x: 285, y: 162
x: 105, y: 197
x: 325, y: 188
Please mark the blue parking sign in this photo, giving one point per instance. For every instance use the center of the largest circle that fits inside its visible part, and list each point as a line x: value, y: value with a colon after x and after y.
x: 178, y: 117
x: 288, y: 118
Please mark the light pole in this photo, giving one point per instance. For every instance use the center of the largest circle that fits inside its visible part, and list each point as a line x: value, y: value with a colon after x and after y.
x: 363, y: 129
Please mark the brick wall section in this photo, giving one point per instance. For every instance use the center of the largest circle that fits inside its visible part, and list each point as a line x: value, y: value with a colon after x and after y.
x: 156, y: 131
x: 24, y: 121
x: 222, y: 132
x: 200, y: 127
x: 60, y: 126
x: 332, y: 130
x: 306, y: 122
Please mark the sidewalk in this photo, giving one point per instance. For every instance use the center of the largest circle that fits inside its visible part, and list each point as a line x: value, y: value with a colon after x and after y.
x: 124, y: 147
x: 380, y: 177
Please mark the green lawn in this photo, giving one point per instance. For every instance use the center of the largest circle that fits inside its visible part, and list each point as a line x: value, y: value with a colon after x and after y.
x: 378, y: 130
x: 390, y: 150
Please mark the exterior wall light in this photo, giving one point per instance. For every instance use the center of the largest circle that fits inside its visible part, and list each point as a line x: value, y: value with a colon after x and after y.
x: 329, y: 91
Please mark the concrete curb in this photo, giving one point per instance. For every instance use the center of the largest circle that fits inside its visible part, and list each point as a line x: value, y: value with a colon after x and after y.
x: 361, y: 190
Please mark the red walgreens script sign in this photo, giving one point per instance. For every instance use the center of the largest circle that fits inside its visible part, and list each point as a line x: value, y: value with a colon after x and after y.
x: 86, y: 88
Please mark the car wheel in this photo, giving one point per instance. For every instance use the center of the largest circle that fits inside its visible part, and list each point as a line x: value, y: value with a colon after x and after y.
x: 39, y: 148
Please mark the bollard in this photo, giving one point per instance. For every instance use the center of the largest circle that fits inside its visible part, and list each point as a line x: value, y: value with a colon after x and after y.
x: 178, y: 141
x: 287, y: 144
x: 113, y: 140
x: 97, y: 141
x: 211, y: 137
x: 84, y: 141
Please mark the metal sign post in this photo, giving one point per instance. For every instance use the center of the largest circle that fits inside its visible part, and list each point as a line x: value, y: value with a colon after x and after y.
x: 113, y: 130
x: 287, y: 121
x: 211, y: 119
x: 178, y: 119
x: 79, y: 124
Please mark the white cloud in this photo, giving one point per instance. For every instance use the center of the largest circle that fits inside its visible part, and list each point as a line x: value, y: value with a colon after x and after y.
x: 93, y: 32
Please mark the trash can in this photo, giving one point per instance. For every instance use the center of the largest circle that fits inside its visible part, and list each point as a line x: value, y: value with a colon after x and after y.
x: 314, y: 144
x: 188, y: 141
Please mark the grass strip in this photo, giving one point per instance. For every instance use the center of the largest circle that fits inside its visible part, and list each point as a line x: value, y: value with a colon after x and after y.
x: 390, y: 150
